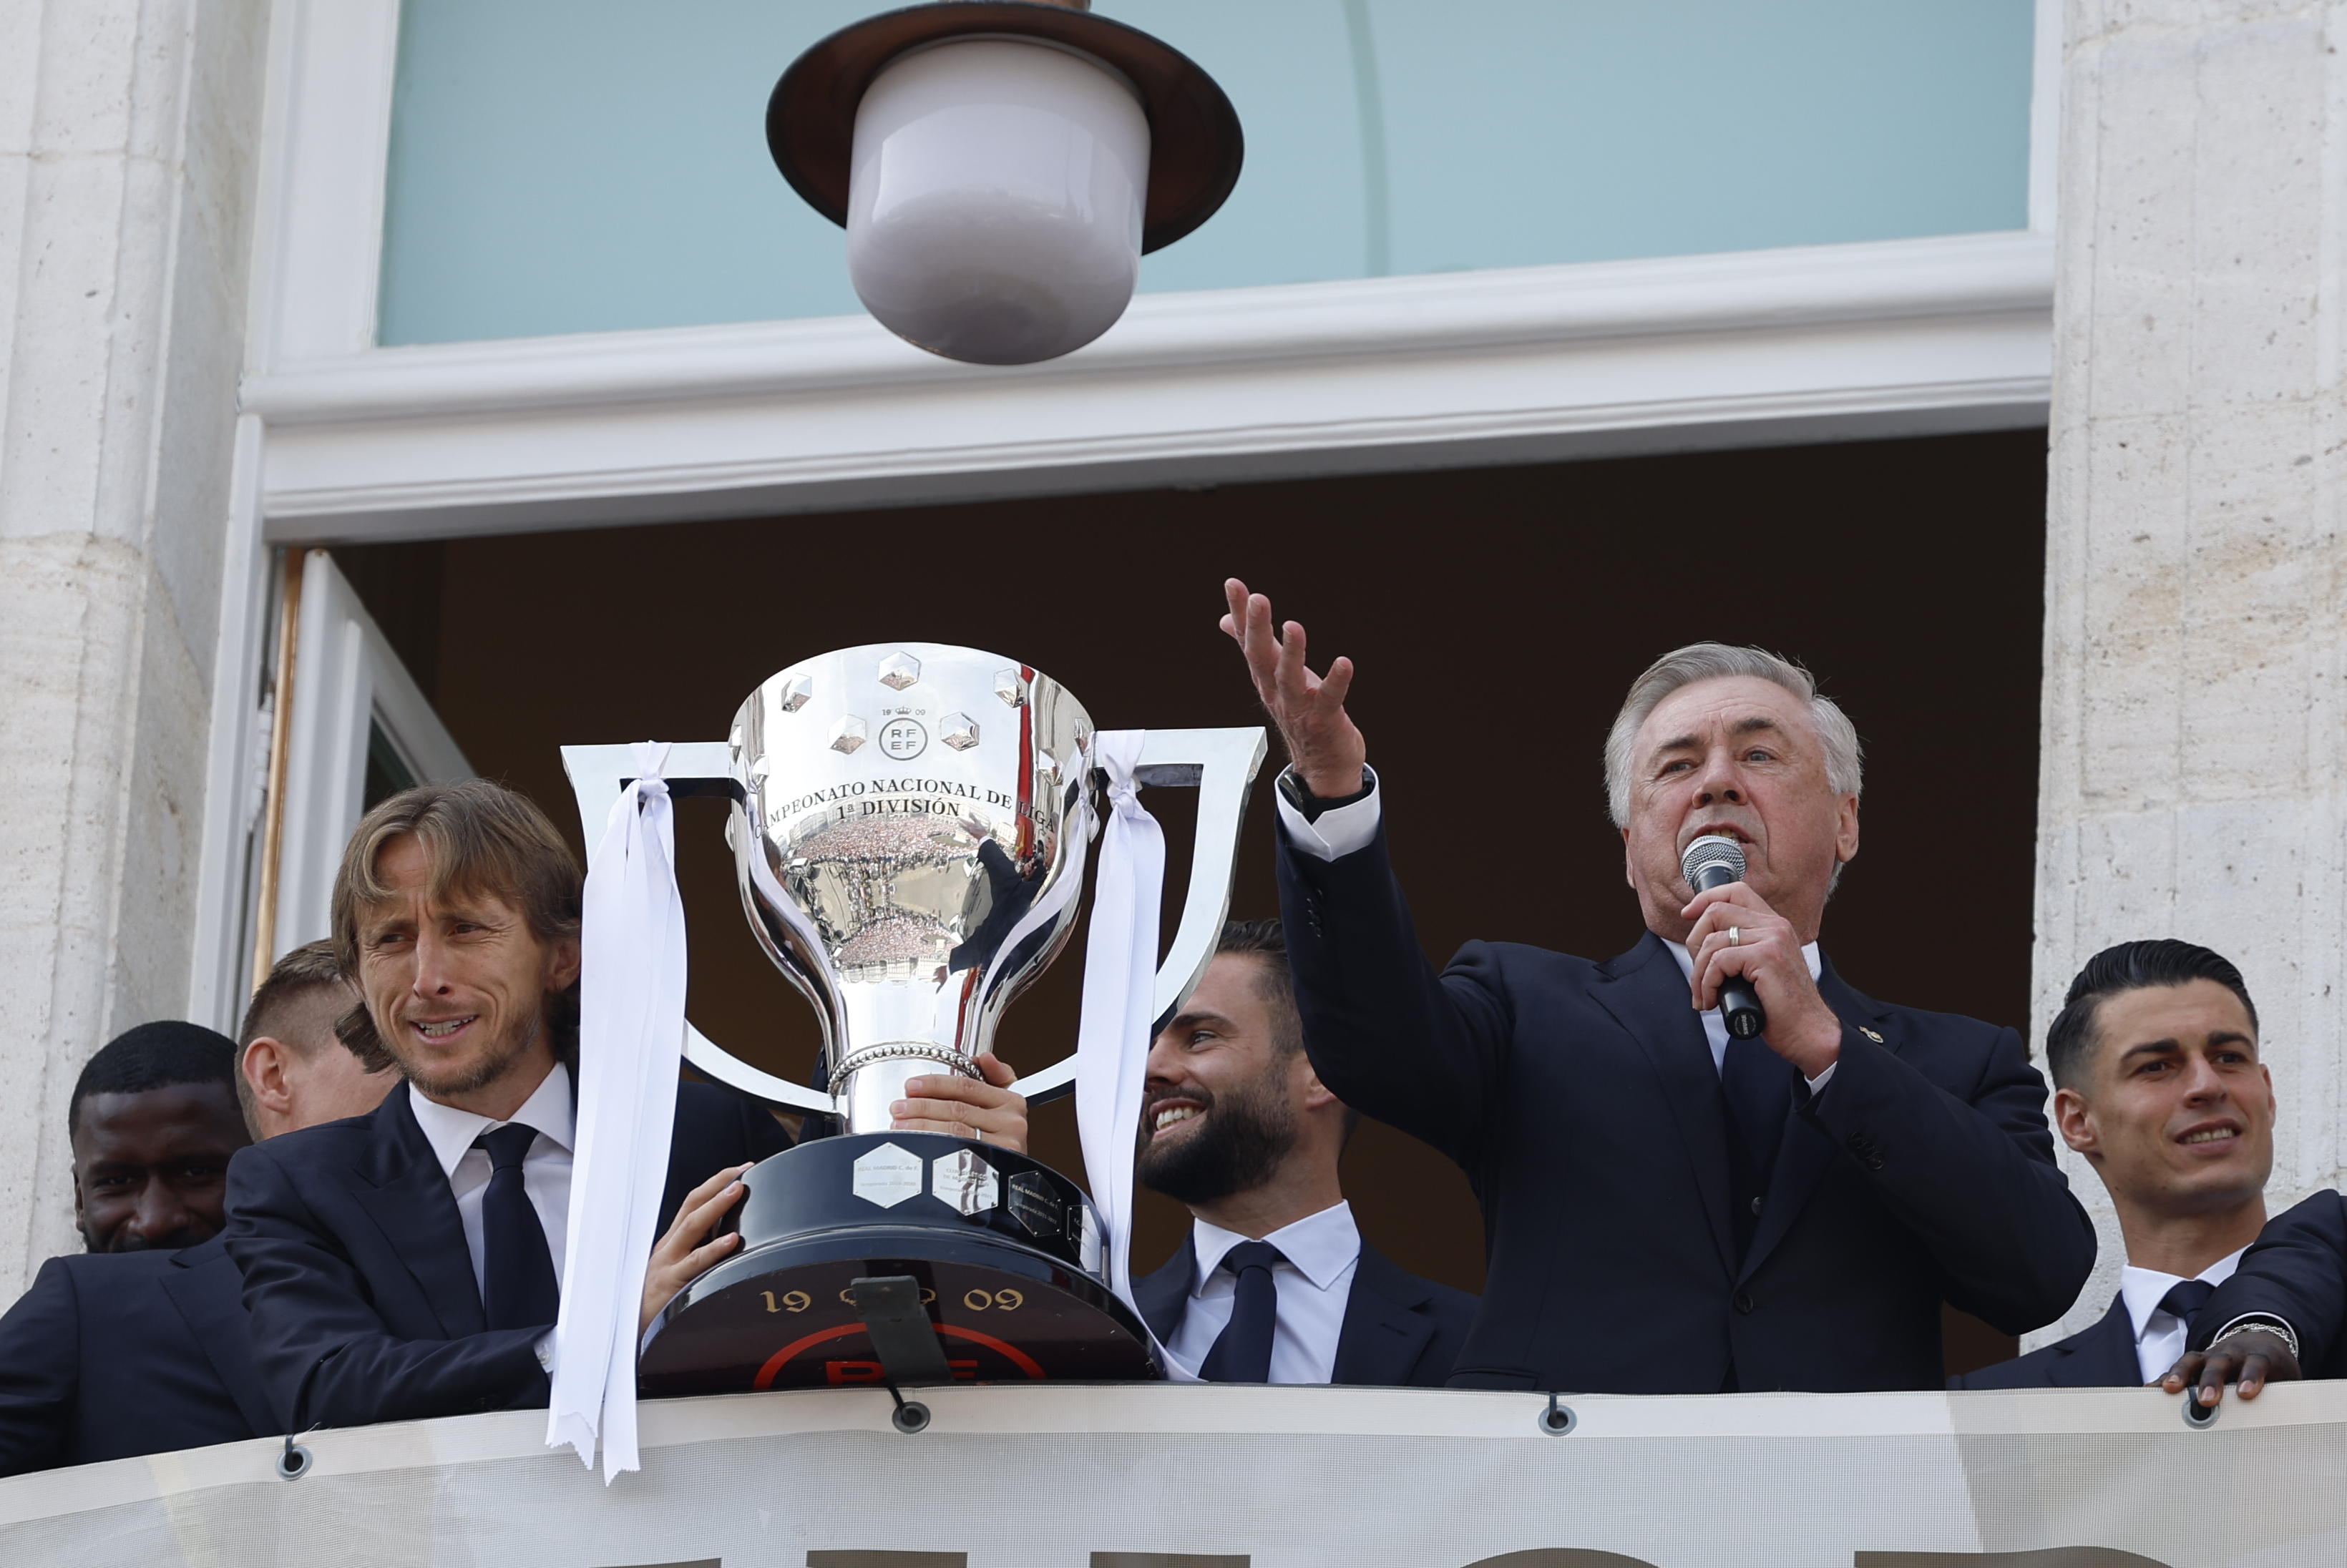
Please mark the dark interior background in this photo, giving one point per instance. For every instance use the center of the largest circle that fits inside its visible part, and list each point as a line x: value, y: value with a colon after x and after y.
x: 1496, y: 615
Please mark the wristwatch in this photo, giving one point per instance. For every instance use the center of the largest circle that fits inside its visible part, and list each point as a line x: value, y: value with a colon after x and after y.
x: 1308, y: 806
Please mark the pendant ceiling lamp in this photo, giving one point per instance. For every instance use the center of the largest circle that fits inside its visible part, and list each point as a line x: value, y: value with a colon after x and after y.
x: 1001, y: 166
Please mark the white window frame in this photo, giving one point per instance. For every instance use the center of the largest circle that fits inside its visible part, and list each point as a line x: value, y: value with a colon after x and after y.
x: 344, y: 441
x: 308, y: 774
x: 347, y: 682
x: 1525, y: 364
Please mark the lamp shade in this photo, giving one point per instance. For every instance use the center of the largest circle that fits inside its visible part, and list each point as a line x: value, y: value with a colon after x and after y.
x: 996, y: 194
x: 986, y: 155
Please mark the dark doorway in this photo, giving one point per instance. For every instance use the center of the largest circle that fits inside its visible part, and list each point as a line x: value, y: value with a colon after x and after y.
x: 1497, y: 616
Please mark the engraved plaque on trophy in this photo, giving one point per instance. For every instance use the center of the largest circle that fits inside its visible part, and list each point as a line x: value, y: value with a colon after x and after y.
x: 909, y: 829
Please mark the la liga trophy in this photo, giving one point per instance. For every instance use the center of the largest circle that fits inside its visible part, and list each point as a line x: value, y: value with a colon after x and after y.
x: 910, y: 826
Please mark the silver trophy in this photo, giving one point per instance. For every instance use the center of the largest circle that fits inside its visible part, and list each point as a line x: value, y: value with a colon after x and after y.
x: 909, y: 838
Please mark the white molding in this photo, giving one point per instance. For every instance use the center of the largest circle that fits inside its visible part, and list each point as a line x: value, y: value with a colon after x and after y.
x: 219, y: 961
x: 319, y: 255
x: 2045, y: 115
x: 1815, y: 343
x: 1833, y: 342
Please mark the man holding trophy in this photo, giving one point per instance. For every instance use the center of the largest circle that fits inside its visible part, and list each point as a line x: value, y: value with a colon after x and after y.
x: 911, y: 828
x: 408, y: 1264
x: 1707, y: 1165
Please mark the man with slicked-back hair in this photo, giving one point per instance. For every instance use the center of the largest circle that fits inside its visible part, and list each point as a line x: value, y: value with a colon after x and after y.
x: 2158, y: 1086
x: 1670, y: 1208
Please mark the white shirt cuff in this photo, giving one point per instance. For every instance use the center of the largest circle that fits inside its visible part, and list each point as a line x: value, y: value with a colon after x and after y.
x: 1818, y: 1084
x: 1339, y: 830
x: 544, y: 1348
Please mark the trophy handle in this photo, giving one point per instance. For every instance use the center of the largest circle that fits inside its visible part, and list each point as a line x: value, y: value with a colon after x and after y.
x: 1221, y: 765
x: 714, y: 1061
x: 598, y: 774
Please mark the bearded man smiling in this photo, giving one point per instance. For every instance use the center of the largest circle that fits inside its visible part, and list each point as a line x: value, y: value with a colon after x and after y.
x: 1274, y: 1283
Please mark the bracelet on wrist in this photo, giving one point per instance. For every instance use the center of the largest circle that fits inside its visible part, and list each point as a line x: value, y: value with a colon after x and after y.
x: 2258, y: 1324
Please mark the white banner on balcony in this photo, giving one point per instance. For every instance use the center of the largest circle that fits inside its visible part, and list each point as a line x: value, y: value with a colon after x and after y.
x: 1189, y: 1476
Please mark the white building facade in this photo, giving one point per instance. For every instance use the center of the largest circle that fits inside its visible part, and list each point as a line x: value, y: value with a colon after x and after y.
x: 316, y: 274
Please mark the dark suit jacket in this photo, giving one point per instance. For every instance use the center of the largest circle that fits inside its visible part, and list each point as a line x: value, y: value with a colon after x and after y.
x: 119, y: 1354
x: 2296, y: 1270
x: 1581, y: 1101
x: 2099, y: 1357
x: 363, y: 1304
x: 1399, y: 1331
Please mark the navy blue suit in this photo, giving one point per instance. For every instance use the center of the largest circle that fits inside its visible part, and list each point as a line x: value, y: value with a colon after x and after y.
x: 1400, y: 1332
x: 113, y: 1355
x: 2100, y: 1356
x: 364, y: 1308
x: 2296, y: 1270
x: 1583, y: 1103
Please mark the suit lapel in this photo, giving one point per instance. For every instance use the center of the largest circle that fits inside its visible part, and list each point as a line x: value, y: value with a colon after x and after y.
x: 1647, y: 995
x: 1808, y: 1153
x: 408, y: 1199
x: 1163, y: 1295
x: 1382, y: 1337
x: 204, y: 1285
x: 2104, y: 1356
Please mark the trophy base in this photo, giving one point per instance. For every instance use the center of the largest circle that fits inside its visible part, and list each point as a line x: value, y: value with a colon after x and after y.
x: 999, y: 1244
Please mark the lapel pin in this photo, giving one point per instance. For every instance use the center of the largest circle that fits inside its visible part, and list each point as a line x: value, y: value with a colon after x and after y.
x: 1870, y: 1033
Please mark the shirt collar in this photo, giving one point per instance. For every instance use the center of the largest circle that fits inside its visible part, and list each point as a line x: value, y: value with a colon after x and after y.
x: 2141, y: 1288
x: 1321, y: 1246
x: 1686, y: 959
x: 451, y: 1132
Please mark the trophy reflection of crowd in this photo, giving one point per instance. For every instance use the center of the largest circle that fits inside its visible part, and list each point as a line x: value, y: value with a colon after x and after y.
x: 357, y: 1212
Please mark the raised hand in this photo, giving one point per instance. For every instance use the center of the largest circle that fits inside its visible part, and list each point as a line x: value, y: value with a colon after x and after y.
x: 1309, y: 710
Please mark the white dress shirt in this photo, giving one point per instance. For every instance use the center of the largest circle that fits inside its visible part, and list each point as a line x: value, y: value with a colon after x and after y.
x: 2159, y: 1336
x: 545, y: 1170
x: 1323, y: 1250
x: 1341, y: 829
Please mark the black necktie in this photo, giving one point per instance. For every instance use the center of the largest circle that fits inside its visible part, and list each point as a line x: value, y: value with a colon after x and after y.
x: 519, y: 1289
x: 1759, y: 1086
x: 2184, y: 1300
x: 1242, y: 1352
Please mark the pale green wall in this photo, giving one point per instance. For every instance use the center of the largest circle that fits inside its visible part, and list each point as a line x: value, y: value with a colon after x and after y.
x: 568, y: 166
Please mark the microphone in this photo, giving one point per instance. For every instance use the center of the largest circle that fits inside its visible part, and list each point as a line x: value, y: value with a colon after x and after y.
x: 1712, y: 862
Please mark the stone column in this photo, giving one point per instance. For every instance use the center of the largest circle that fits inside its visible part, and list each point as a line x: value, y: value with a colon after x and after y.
x: 128, y: 150
x: 2192, y: 779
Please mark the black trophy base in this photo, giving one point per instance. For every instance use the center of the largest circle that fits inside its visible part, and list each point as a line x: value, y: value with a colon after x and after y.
x: 997, y: 1242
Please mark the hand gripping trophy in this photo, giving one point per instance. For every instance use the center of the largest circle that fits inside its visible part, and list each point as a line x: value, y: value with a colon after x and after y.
x: 911, y: 824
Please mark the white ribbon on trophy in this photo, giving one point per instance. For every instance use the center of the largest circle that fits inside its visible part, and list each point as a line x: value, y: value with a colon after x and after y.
x: 631, y: 1047
x: 1120, y: 997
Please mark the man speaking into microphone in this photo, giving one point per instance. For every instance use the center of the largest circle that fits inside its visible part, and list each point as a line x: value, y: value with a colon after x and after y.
x: 1671, y: 1205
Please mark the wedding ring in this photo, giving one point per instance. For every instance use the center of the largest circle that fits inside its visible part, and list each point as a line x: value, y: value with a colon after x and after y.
x: 1736, y: 936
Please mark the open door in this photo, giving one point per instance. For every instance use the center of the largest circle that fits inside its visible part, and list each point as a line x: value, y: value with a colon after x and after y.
x: 349, y: 727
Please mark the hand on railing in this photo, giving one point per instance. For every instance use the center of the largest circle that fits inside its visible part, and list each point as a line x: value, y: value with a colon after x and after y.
x: 2251, y: 1356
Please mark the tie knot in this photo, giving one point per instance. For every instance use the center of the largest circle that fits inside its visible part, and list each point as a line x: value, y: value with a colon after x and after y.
x: 2186, y: 1298
x: 507, y: 1145
x: 1249, y: 1255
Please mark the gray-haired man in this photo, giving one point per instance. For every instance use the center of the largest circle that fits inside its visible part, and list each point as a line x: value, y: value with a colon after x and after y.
x: 1669, y: 1209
